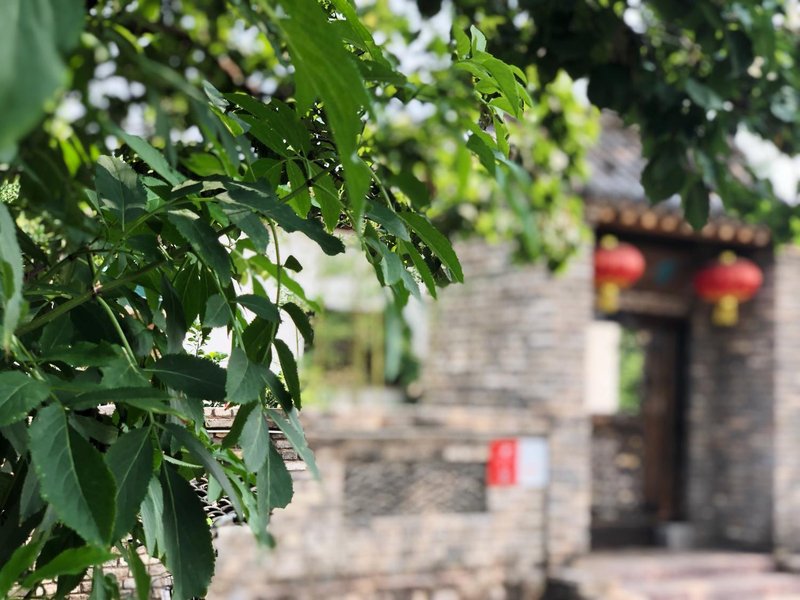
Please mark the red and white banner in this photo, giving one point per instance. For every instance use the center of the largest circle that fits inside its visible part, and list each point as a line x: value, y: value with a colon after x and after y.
x: 520, y: 462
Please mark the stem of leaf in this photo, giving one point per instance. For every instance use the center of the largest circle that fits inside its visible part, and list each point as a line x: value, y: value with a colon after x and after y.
x: 115, y: 323
x: 279, y: 267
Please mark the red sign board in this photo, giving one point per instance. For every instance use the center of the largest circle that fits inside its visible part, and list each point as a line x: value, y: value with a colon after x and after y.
x: 520, y: 462
x: 502, y: 467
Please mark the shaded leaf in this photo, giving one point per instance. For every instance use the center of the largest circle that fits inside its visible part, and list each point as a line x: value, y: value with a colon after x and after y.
x: 217, y: 313
x: 70, y: 562
x: 189, y: 555
x: 202, y: 454
x: 273, y: 482
x: 195, y: 376
x: 10, y: 273
x: 119, y: 190
x: 438, y: 244
x: 317, y: 51
x: 301, y: 321
x: 246, y: 380
x: 289, y: 370
x: 203, y: 240
x: 254, y: 440
x: 176, y: 320
x: 33, y: 33
x: 21, y: 560
x: 73, y: 477
x: 261, y: 306
x: 19, y: 394
x: 130, y: 460
x: 289, y: 424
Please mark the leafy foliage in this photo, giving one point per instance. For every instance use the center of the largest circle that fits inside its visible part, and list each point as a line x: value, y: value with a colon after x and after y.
x: 691, y: 75
x: 187, y: 138
x: 116, y: 245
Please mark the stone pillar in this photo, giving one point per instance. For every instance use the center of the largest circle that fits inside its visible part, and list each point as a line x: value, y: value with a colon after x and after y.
x: 787, y: 401
x: 731, y: 426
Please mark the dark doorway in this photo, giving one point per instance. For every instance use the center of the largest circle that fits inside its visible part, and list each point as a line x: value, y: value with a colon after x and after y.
x: 639, y: 449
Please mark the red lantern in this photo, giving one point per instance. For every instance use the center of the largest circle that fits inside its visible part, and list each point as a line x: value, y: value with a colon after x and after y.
x: 616, y: 266
x: 727, y: 282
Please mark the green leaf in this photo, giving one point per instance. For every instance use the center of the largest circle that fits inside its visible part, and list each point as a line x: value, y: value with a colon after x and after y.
x: 10, y: 271
x: 130, y: 460
x: 19, y: 394
x: 250, y: 223
x: 478, y: 39
x: 33, y: 33
x: 121, y: 373
x: 21, y: 560
x: 317, y: 51
x: 140, y: 575
x: 154, y: 159
x: 104, y: 587
x: 301, y: 321
x: 176, y: 321
x: 203, y: 164
x: 421, y: 266
x: 505, y: 79
x: 276, y: 125
x: 195, y: 376
x: 189, y: 555
x: 664, y: 175
x: 70, y: 562
x: 218, y: 313
x: 273, y: 482
x: 30, y: 500
x: 254, y: 441
x: 326, y: 197
x: 289, y: 424
x: 260, y: 197
x: 261, y: 306
x: 202, y: 454
x: 696, y: 206
x: 73, y: 477
x: 235, y: 432
x: 389, y: 219
x: 149, y: 399
x: 289, y: 370
x: 703, y: 95
x: 119, y: 190
x: 279, y: 391
x: 246, y: 380
x: 301, y: 200
x: 152, y: 518
x: 391, y: 265
x: 438, y: 244
x: 203, y: 240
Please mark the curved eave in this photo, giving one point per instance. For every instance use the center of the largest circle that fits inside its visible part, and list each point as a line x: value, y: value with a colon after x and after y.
x: 667, y: 221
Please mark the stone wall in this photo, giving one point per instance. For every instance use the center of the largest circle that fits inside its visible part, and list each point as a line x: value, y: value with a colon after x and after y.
x: 514, y: 335
x: 731, y: 422
x: 428, y: 544
x: 511, y: 335
x: 787, y: 402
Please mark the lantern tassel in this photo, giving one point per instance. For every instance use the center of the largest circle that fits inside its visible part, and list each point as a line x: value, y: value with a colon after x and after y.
x: 608, y: 298
x: 726, y: 312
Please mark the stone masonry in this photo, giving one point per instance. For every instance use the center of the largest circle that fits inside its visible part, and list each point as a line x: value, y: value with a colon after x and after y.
x: 731, y: 423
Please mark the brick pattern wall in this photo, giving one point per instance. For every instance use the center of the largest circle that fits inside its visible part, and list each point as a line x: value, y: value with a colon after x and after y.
x: 731, y: 424
x: 515, y: 336
x: 787, y: 401
x: 511, y: 335
x: 323, y: 552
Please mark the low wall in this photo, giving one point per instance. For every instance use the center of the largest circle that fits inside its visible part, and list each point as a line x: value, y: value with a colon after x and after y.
x: 403, y: 511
